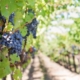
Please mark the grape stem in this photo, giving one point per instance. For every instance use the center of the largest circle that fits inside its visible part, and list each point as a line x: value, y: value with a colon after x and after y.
x: 25, y: 42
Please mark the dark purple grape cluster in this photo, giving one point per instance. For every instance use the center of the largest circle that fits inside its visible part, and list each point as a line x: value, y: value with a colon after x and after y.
x: 13, y: 42
x: 32, y: 27
x: 11, y: 18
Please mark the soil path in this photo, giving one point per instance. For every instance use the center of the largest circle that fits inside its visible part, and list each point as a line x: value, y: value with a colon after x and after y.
x: 56, y: 71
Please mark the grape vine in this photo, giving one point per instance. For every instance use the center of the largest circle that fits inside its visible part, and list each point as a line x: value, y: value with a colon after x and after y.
x: 32, y: 28
x: 13, y: 40
x: 18, y: 21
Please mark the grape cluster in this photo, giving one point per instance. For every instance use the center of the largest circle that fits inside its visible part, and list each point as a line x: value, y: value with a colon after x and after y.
x: 11, y: 18
x: 12, y: 41
x: 32, y: 27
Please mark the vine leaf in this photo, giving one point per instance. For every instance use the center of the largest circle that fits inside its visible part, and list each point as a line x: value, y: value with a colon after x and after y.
x: 7, y: 7
x: 31, y: 3
x: 9, y: 27
x: 23, y: 31
x: 18, y: 19
x: 4, y: 68
x: 29, y: 17
x: 26, y: 64
x: 17, y: 74
x: 5, y: 12
x: 2, y: 73
x: 14, y: 58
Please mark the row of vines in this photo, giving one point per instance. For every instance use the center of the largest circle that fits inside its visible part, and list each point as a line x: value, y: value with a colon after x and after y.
x: 63, y: 44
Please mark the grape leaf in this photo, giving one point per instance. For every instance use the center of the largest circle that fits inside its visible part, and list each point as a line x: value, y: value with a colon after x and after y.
x: 2, y: 73
x: 4, y: 50
x: 14, y: 58
x: 17, y: 74
x: 7, y: 7
x: 20, y: 3
x: 4, y: 68
x: 23, y: 31
x: 29, y: 17
x: 12, y: 6
x: 26, y: 64
x: 31, y: 3
x: 18, y: 19
x: 5, y: 12
x: 9, y: 27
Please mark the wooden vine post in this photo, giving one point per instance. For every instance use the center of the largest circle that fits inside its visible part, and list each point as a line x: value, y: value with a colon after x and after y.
x: 74, y: 63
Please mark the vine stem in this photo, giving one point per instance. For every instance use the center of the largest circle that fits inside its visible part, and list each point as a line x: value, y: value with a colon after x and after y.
x: 4, y: 78
x: 12, y: 76
x: 25, y: 42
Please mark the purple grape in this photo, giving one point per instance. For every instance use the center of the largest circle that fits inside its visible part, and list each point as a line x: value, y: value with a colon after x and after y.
x: 11, y: 18
x: 12, y: 41
x: 32, y: 28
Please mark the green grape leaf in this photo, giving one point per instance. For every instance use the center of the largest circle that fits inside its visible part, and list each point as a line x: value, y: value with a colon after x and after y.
x: 23, y: 31
x: 14, y: 58
x: 29, y: 41
x: 26, y: 64
x: 4, y: 68
x: 44, y: 12
x: 13, y: 68
x: 17, y: 74
x: 4, y: 51
x: 29, y: 17
x: 20, y: 3
x: 12, y: 6
x: 46, y: 0
x: 9, y: 27
x: 7, y: 70
x: 31, y: 3
x: 2, y: 74
x: 5, y: 12
x: 4, y: 9
x: 18, y: 19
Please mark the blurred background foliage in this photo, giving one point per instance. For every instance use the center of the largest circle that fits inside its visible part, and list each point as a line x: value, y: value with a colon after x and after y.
x: 63, y: 29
